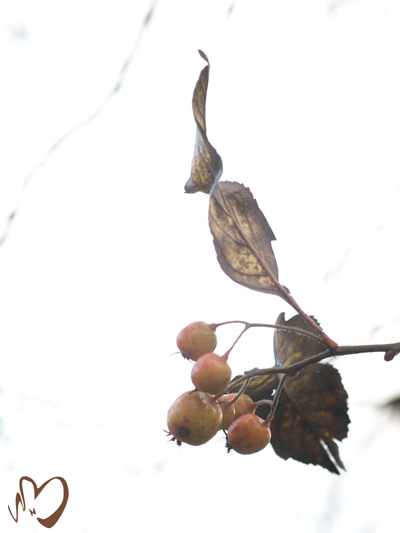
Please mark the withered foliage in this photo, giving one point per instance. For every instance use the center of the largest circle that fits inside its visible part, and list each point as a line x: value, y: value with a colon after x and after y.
x: 242, y: 238
x: 312, y: 410
x: 311, y: 415
x: 206, y: 163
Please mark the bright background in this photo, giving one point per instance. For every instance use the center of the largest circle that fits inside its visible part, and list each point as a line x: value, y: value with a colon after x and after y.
x: 107, y: 259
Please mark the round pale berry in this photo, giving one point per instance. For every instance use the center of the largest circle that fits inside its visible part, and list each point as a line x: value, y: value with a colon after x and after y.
x: 248, y: 434
x: 244, y: 404
x: 197, y: 339
x: 194, y: 418
x: 211, y: 373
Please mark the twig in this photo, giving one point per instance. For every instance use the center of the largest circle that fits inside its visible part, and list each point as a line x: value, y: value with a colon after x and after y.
x: 239, y: 393
x: 293, y: 329
x: 393, y: 349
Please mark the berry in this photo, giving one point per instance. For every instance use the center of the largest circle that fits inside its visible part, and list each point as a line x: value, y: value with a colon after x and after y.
x: 244, y: 404
x: 228, y: 411
x: 248, y: 434
x: 211, y: 373
x: 194, y: 418
x: 197, y: 339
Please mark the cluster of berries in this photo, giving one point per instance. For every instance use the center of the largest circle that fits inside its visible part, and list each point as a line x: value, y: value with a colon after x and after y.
x: 197, y: 415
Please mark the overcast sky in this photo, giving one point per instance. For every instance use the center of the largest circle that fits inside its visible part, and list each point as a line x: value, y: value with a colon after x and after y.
x: 107, y: 259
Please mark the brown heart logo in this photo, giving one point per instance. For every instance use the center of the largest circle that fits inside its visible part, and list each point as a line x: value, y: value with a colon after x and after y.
x: 51, y: 520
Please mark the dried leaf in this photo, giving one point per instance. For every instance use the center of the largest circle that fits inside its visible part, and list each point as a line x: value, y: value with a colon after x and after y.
x: 291, y: 347
x: 311, y: 413
x: 206, y: 162
x: 312, y: 410
x: 242, y: 238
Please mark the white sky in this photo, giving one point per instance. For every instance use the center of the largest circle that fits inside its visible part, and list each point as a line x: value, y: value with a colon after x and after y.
x: 108, y: 259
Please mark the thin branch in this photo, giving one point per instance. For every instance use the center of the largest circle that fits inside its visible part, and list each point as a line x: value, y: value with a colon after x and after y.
x: 292, y: 329
x: 393, y: 349
x: 239, y: 393
x: 117, y: 87
x: 367, y: 348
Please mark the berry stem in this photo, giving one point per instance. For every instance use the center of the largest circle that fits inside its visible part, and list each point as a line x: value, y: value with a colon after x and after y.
x: 262, y: 402
x: 226, y: 355
x: 239, y: 393
x: 292, y: 329
x: 274, y: 405
x: 246, y: 327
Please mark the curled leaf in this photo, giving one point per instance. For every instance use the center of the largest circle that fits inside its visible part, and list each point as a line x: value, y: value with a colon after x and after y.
x: 242, y: 238
x: 206, y: 162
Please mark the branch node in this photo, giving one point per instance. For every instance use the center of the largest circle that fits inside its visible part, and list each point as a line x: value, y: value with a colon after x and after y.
x: 390, y: 355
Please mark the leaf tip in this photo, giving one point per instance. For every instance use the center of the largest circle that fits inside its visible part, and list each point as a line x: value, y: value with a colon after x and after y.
x: 203, y: 55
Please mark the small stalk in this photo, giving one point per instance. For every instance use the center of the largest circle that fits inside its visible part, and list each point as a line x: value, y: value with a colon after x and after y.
x: 292, y: 329
x: 274, y: 405
x: 240, y: 392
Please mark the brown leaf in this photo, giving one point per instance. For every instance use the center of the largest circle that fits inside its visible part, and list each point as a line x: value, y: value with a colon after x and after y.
x: 290, y: 347
x: 312, y: 410
x: 242, y: 238
x: 311, y: 413
x: 206, y: 162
